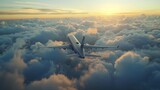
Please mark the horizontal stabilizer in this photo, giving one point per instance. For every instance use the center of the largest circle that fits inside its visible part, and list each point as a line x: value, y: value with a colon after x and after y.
x: 100, y: 47
x: 92, y: 55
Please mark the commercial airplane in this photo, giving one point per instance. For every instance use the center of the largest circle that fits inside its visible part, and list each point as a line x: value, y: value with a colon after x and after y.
x: 78, y: 47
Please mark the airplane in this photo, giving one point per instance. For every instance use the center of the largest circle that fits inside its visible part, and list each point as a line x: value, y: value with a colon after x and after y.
x: 78, y: 47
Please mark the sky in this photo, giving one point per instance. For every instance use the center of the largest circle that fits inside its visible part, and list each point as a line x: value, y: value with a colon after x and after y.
x: 39, y: 8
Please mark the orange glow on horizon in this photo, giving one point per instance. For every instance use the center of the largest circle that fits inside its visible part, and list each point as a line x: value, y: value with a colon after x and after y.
x: 23, y: 16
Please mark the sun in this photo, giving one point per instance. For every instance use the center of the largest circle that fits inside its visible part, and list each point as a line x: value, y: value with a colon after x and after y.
x: 112, y: 9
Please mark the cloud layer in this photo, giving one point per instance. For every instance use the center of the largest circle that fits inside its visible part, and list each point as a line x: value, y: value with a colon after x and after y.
x: 25, y: 65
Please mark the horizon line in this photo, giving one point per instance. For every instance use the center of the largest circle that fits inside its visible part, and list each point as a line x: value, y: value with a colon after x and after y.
x: 24, y: 15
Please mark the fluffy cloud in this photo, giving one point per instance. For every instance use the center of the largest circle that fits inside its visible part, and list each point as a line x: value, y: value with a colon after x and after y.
x: 26, y: 65
x: 11, y: 75
x: 130, y: 70
x: 54, y: 82
x: 97, y: 77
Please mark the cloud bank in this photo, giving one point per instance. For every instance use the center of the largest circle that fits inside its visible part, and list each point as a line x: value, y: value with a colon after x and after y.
x: 25, y: 65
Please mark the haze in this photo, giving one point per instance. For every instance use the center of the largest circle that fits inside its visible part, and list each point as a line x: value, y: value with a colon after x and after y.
x: 12, y: 9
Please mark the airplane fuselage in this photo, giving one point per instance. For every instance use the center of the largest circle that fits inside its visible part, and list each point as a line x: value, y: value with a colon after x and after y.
x: 76, y: 46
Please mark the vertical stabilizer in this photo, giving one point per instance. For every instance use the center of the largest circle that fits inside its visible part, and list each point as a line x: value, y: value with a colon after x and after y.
x: 82, y: 43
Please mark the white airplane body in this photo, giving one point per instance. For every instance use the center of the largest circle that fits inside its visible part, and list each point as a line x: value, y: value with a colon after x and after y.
x: 78, y: 47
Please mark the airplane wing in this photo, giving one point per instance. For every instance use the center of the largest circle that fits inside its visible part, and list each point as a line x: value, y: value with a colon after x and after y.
x: 60, y: 47
x: 99, y: 47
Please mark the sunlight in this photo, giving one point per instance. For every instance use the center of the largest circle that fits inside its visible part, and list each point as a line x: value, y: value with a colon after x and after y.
x: 92, y: 31
x: 112, y: 9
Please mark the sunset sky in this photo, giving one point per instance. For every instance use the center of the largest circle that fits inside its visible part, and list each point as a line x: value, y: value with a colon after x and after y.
x: 58, y: 8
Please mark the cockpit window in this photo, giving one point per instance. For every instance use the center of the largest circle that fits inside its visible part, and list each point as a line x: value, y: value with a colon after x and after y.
x: 77, y: 42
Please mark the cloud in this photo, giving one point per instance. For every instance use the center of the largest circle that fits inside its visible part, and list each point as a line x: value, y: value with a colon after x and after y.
x: 56, y: 82
x: 31, y: 3
x: 25, y: 64
x: 92, y: 31
x: 40, y: 11
x: 50, y: 43
x: 125, y: 70
x: 96, y: 78
x: 11, y: 75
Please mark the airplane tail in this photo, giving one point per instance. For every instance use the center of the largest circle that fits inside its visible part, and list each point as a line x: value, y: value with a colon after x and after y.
x: 82, y: 43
